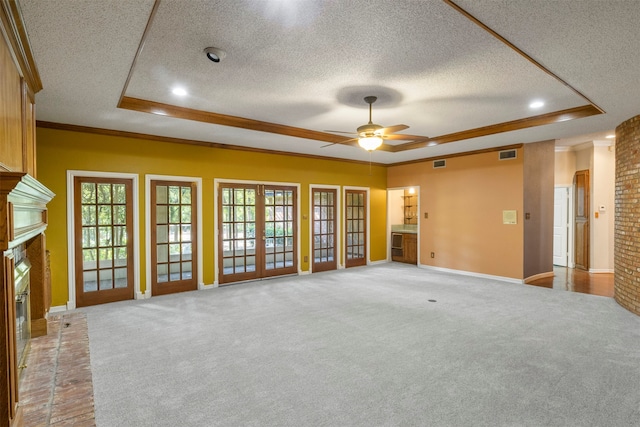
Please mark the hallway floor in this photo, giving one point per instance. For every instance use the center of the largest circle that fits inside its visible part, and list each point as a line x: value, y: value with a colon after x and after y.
x: 575, y: 280
x: 57, y: 388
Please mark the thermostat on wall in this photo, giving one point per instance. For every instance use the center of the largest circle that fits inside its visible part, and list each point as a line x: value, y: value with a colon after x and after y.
x: 509, y: 217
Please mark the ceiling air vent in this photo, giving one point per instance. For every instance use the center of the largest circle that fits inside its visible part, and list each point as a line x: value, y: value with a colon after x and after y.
x: 508, y: 154
x: 439, y: 164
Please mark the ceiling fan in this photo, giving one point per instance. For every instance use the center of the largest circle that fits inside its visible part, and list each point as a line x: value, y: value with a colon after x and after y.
x: 371, y: 135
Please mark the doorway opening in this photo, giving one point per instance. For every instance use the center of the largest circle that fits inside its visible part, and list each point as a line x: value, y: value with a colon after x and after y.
x: 403, y: 207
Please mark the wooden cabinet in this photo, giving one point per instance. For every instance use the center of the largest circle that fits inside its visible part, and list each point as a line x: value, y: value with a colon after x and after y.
x: 404, y: 247
x: 410, y: 248
x: 23, y: 215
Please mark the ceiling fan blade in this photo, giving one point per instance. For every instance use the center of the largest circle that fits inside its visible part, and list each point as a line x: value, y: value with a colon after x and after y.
x: 403, y: 137
x: 340, y: 143
x: 340, y: 131
x: 393, y: 129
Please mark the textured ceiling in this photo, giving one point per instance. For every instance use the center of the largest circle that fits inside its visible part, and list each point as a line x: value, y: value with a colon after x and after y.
x: 308, y: 64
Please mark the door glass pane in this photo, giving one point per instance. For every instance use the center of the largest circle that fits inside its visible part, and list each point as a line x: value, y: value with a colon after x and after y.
x: 90, y: 281
x: 104, y: 193
x: 120, y: 214
x: 162, y: 234
x: 185, y: 214
x: 88, y: 192
x: 174, y: 214
x: 120, y: 235
x: 186, y: 270
x: 163, y: 273
x: 119, y: 194
x: 174, y: 271
x: 162, y: 252
x: 186, y: 251
x: 162, y: 194
x: 105, y: 279
x: 89, y: 237
x: 120, y: 275
x: 105, y: 258
x: 174, y: 195
x: 185, y: 195
x: 250, y: 264
x: 88, y: 215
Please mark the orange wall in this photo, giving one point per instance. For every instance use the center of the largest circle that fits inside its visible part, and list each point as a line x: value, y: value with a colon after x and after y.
x: 59, y: 151
x: 464, y: 202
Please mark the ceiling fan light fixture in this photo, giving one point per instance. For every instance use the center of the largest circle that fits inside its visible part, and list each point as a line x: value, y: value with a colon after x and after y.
x: 214, y: 54
x: 370, y: 143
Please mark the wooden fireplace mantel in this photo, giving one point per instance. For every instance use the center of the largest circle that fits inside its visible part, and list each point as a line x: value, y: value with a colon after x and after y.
x: 23, y: 220
x: 23, y: 208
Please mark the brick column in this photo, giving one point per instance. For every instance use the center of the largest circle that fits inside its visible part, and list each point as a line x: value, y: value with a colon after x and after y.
x: 627, y: 216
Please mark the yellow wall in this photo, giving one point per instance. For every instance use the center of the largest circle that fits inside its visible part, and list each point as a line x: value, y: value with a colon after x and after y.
x: 464, y: 202
x: 59, y: 151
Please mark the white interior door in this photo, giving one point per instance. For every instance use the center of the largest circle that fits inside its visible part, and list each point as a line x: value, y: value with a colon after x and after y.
x: 560, y: 225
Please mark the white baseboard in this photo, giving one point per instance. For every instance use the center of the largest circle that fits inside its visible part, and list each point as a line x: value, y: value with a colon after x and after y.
x: 303, y: 273
x: 600, y: 270
x: 382, y: 261
x: 472, y: 274
x: 58, y: 309
x: 202, y: 286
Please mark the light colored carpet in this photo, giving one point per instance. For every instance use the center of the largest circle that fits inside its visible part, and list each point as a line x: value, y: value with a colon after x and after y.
x: 366, y: 347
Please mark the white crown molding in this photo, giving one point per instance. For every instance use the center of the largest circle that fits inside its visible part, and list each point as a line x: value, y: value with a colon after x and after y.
x: 563, y: 148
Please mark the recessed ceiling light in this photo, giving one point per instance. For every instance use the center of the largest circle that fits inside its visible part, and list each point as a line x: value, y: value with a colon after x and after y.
x: 610, y: 136
x: 179, y: 91
x: 536, y: 104
x: 214, y: 54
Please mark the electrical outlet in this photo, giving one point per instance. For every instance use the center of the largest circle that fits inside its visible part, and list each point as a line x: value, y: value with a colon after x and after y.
x: 426, y: 215
x: 433, y: 254
x: 306, y: 258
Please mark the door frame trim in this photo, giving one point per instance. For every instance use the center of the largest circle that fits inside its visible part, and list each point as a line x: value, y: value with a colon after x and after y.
x: 147, y: 227
x: 367, y: 190
x: 71, y: 260
x: 389, y: 207
x: 338, y: 247
x: 570, y: 225
x: 216, y: 184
